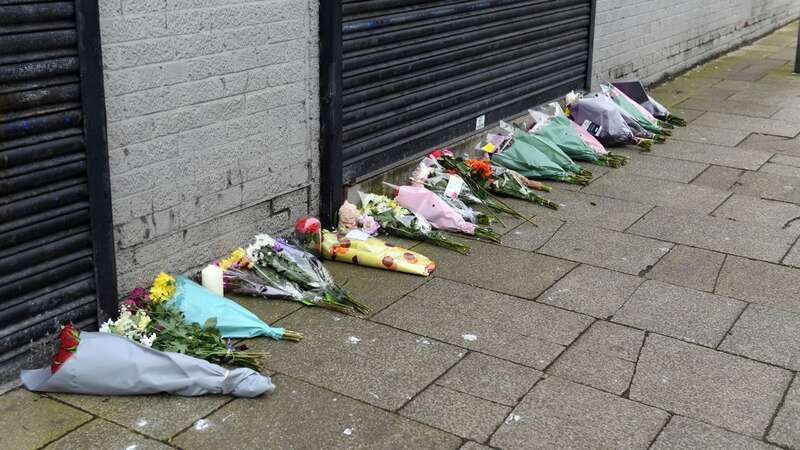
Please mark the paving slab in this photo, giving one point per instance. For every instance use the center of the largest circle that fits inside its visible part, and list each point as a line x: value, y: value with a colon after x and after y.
x: 780, y: 169
x: 713, y: 233
x: 528, y: 237
x: 689, y: 267
x: 680, y: 312
x: 768, y: 186
x: 599, y: 211
x: 718, y: 177
x: 736, y: 158
x: 592, y: 290
x: 766, y: 334
x: 710, y: 135
x: 561, y: 414
x: 470, y: 445
x: 787, y: 160
x: 717, y: 388
x: 605, y: 248
x: 792, y: 259
x: 772, y: 126
x: 759, y: 282
x: 372, y: 362
x: 29, y: 420
x: 689, y: 115
x: 301, y: 416
x: 156, y: 416
x: 650, y: 191
x: 268, y: 310
x: 726, y: 106
x: 455, y: 412
x: 100, y: 434
x: 604, y: 357
x: 499, y: 269
x: 525, y: 332
x: 772, y: 213
x: 663, y: 168
x: 490, y: 378
x: 777, y: 144
x: 682, y: 433
x: 784, y: 429
x: 764, y: 95
x: 361, y: 281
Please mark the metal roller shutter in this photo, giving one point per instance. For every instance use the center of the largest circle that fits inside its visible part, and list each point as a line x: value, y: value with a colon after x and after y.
x: 54, y: 208
x: 418, y: 73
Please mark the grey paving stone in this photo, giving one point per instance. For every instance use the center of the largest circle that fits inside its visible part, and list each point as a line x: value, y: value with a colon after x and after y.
x: 714, y: 387
x: 268, y: 310
x: 604, y: 357
x: 710, y: 135
x: 713, y: 233
x: 157, y: 416
x: 521, y: 331
x: 372, y: 362
x: 687, y: 114
x: 100, y: 434
x: 690, y: 267
x: 592, y: 290
x: 768, y: 335
x: 663, y: 168
x: 680, y: 312
x: 769, y: 186
x: 650, y: 191
x: 595, y: 210
x: 764, y: 95
x: 787, y: 160
x: 490, y: 378
x: 497, y: 268
x: 760, y: 282
x: 792, y: 258
x: 725, y: 106
x: 718, y: 177
x: 682, y: 433
x: 474, y: 446
x: 561, y: 414
x: 756, y: 125
x: 744, y: 208
x: 610, y: 249
x: 714, y: 154
x: 455, y: 412
x: 784, y: 429
x: 528, y: 237
x: 361, y: 281
x: 770, y: 143
x: 301, y: 416
x: 30, y: 421
x: 780, y: 169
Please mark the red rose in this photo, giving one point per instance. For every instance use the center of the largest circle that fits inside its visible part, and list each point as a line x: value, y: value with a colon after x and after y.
x: 70, y: 339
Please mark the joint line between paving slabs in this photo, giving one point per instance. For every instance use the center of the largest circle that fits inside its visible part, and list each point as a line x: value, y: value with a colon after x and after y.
x: 547, y: 241
x: 433, y: 382
x: 70, y: 431
x: 785, y: 255
x: 627, y: 392
x: 733, y: 324
x: 536, y: 383
x: 779, y: 407
x: 711, y: 213
x: 183, y: 430
x: 700, y: 174
x: 638, y: 220
x: 661, y: 430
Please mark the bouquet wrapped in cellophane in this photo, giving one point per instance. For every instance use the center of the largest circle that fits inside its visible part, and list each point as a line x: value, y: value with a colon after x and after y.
x: 603, y: 119
x: 635, y: 110
x: 276, y: 258
x: 107, y: 364
x: 511, y: 184
x: 636, y: 92
x: 401, y: 222
x: 525, y: 157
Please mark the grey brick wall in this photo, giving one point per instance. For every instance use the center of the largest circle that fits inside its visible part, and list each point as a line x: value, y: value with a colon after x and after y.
x: 651, y: 39
x: 213, y: 117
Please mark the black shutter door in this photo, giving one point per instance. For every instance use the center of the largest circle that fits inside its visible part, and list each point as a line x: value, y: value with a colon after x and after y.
x: 53, y: 177
x: 418, y: 73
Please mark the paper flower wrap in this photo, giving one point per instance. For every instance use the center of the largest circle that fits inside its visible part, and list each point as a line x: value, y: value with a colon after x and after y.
x: 198, y: 304
x: 374, y: 252
x: 107, y: 364
x: 428, y: 205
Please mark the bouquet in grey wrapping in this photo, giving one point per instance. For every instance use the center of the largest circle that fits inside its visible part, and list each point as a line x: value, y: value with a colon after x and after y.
x: 601, y: 117
x: 107, y: 364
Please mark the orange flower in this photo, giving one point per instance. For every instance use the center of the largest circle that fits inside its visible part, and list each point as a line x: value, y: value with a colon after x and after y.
x: 482, y: 167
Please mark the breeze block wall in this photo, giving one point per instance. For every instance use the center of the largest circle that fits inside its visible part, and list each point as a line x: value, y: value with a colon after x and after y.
x: 213, y: 116
x: 652, y: 39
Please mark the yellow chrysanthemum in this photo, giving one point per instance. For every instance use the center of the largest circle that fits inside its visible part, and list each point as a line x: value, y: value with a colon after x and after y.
x: 163, y: 288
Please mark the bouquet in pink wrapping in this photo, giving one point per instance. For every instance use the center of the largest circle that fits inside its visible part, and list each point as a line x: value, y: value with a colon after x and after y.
x: 438, y: 213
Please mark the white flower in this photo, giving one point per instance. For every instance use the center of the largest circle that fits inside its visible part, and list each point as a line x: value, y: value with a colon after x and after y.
x: 106, y: 326
x: 572, y: 97
x: 147, y: 341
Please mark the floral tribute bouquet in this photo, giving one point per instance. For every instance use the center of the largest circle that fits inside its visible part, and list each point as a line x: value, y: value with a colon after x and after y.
x: 561, y: 131
x: 636, y: 92
x: 401, y: 222
x: 635, y: 110
x: 159, y: 320
x: 438, y: 213
x: 511, y: 184
x: 604, y: 120
x: 353, y: 244
x: 275, y: 259
x: 108, y: 364
x: 525, y: 157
